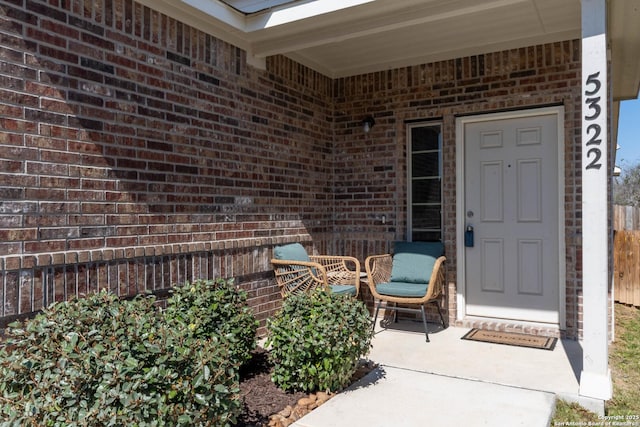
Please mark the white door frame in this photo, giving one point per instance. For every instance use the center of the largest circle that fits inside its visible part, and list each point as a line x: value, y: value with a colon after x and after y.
x: 460, y: 198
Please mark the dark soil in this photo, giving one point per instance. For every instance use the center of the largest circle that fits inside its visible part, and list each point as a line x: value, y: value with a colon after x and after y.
x: 261, y: 397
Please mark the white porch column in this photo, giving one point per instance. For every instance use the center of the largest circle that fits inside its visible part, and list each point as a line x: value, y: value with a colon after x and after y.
x: 595, y: 380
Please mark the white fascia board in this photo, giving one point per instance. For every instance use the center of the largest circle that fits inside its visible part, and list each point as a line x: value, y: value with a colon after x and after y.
x: 220, y: 11
x: 273, y: 17
x: 191, y: 15
x: 297, y: 12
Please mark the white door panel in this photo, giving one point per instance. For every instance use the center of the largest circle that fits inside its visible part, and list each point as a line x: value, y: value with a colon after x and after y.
x: 511, y: 200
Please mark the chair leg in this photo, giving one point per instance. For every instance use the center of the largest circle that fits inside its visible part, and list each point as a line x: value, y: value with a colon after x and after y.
x: 424, y: 322
x: 375, y: 317
x: 440, y: 313
x: 395, y: 312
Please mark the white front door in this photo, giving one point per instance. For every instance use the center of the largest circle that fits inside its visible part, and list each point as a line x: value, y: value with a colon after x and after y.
x: 511, y: 200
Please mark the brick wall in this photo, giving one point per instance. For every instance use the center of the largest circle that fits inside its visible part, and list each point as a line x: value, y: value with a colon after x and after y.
x: 137, y: 152
x: 125, y: 134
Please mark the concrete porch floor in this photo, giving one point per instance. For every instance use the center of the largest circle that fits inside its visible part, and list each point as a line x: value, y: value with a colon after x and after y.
x: 453, y: 382
x: 403, y: 345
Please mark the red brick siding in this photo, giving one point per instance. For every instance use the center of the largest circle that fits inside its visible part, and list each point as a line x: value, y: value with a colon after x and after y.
x: 124, y: 131
x: 138, y: 152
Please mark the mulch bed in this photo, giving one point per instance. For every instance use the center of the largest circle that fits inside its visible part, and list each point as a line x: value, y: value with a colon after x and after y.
x: 261, y: 397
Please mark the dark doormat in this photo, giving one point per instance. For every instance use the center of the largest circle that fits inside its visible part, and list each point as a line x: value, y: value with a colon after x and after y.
x: 511, y: 338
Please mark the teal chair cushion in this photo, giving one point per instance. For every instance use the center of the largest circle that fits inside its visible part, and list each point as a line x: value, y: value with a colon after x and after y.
x: 402, y: 289
x: 413, y: 261
x: 343, y: 289
x: 291, y: 252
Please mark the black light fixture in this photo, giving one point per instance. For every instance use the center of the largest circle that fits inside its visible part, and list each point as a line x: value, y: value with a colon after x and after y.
x: 368, y: 123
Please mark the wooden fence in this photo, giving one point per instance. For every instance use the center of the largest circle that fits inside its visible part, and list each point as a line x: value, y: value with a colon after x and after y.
x: 626, y: 217
x: 626, y: 255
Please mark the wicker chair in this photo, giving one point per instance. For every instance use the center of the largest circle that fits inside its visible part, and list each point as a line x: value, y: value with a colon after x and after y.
x: 297, y: 272
x: 413, y: 275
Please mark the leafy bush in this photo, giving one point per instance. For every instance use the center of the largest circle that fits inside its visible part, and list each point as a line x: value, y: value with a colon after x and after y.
x: 207, y: 308
x: 317, y: 340
x: 101, y: 361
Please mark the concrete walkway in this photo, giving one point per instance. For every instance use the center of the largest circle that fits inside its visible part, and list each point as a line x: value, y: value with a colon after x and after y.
x: 451, y: 382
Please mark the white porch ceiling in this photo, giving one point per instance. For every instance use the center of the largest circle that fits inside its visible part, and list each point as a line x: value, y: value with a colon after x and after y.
x: 624, y: 33
x: 340, y: 38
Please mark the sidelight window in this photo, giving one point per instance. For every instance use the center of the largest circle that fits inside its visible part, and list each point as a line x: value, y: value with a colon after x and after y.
x: 425, y: 181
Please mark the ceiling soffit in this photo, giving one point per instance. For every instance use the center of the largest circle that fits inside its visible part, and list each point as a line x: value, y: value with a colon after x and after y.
x: 339, y: 38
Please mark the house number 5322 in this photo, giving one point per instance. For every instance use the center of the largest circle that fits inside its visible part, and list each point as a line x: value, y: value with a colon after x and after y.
x: 592, y: 101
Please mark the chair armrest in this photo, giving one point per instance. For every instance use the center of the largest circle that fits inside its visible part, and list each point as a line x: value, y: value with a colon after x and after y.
x: 293, y: 277
x: 378, y: 269
x: 341, y: 270
x: 437, y: 279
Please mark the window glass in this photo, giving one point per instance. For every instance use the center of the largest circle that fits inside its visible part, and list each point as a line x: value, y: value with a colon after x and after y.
x: 425, y: 138
x: 425, y: 177
x: 425, y: 163
x: 426, y: 190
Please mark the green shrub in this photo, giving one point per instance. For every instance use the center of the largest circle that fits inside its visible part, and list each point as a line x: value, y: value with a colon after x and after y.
x: 316, y: 341
x: 101, y: 361
x: 207, y: 308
